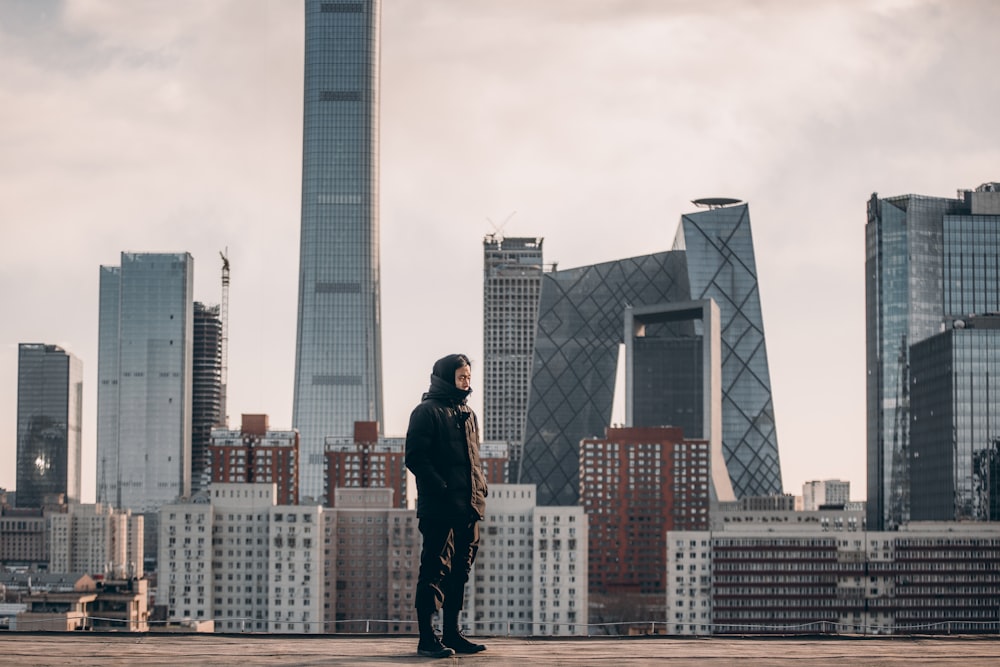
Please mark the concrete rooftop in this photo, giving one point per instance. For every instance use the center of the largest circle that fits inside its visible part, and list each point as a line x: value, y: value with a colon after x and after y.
x: 153, y: 650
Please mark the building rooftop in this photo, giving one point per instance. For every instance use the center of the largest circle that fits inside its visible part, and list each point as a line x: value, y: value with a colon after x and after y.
x: 152, y: 650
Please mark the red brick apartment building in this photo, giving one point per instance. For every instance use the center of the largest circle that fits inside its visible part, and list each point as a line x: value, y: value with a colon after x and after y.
x: 635, y: 485
x: 257, y: 454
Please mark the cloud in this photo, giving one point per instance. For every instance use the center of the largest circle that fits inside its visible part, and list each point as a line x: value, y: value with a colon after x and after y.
x: 147, y: 127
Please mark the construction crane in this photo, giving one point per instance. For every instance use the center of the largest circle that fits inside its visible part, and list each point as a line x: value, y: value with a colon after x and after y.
x: 497, y: 234
x: 224, y: 316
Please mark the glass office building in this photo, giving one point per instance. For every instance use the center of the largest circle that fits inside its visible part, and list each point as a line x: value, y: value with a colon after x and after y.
x: 722, y: 267
x: 49, y: 416
x: 581, y: 324
x: 928, y: 260
x: 955, y: 439
x: 580, y: 328
x: 144, y: 380
x: 338, y: 358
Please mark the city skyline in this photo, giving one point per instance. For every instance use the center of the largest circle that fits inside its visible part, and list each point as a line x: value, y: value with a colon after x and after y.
x: 125, y: 129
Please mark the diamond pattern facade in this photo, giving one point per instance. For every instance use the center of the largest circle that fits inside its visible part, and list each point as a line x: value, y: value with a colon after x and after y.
x: 580, y: 328
x: 722, y: 267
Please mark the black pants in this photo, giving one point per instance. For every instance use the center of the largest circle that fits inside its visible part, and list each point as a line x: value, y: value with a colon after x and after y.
x: 446, y: 559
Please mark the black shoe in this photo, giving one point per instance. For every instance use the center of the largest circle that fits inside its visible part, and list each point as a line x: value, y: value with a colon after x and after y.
x: 457, y: 641
x: 433, y: 648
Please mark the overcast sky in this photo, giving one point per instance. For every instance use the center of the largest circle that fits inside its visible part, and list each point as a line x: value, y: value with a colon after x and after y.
x: 176, y: 126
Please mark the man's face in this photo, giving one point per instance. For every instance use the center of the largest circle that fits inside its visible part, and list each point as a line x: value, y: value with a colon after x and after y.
x: 463, y: 378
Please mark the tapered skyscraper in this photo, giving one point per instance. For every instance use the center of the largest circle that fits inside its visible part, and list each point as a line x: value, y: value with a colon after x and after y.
x: 338, y: 357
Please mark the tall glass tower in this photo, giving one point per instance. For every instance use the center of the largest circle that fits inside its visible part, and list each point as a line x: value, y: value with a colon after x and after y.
x: 338, y: 356
x: 144, y: 375
x: 929, y: 262
x: 49, y: 412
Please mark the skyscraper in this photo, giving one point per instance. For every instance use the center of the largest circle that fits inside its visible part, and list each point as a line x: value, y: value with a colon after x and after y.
x: 721, y: 266
x: 144, y: 383
x: 338, y: 358
x: 512, y: 278
x: 929, y: 261
x: 581, y: 324
x: 206, y: 392
x: 49, y: 415
x: 955, y: 417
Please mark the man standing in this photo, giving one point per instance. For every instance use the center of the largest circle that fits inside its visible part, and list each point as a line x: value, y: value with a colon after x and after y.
x: 442, y: 451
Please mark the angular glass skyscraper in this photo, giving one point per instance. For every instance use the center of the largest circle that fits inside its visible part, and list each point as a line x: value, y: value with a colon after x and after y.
x: 929, y: 261
x: 721, y: 266
x: 144, y: 380
x: 49, y: 415
x: 338, y: 358
x: 581, y: 324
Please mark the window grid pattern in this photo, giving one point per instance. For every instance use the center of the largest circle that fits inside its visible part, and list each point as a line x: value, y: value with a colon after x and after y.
x: 512, y: 277
x: 580, y: 327
x: 722, y: 267
x: 338, y: 366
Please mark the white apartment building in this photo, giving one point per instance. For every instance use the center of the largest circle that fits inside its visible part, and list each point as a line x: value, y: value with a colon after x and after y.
x: 561, y: 567
x: 96, y: 539
x: 242, y: 561
x: 821, y: 572
x: 295, y: 569
x: 825, y: 492
x: 530, y: 577
x: 689, y: 578
x: 184, y: 564
x: 500, y: 590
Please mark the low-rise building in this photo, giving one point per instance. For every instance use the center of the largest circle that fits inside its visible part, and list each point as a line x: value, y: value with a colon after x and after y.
x: 53, y: 602
x: 821, y: 572
x: 96, y: 539
x: 121, y: 606
x: 371, y: 560
x: 237, y: 558
x: 24, y: 538
x: 530, y: 577
x: 829, y: 492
